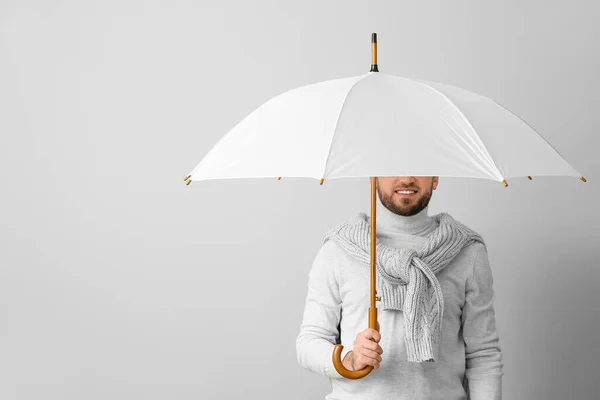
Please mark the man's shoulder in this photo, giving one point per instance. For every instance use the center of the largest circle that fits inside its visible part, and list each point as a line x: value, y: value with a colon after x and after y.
x: 332, y: 248
x: 474, y: 249
x: 476, y: 246
x: 458, y: 221
x: 334, y: 251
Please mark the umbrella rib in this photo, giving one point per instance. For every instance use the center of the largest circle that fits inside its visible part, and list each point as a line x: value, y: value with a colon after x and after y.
x: 338, y: 120
x: 466, y: 120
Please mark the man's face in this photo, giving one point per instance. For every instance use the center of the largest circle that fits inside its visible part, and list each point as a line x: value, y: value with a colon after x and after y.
x: 420, y: 189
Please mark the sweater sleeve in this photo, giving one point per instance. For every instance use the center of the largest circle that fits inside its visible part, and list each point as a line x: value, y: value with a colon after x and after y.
x: 319, y: 329
x: 483, y: 354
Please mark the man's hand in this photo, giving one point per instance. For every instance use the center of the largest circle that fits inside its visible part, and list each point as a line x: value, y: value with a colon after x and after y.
x: 366, y: 350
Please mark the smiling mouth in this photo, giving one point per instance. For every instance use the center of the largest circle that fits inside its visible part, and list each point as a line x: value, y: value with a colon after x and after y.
x: 405, y: 192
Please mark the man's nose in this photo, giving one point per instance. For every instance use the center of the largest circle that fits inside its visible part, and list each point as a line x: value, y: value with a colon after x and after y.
x: 406, y: 179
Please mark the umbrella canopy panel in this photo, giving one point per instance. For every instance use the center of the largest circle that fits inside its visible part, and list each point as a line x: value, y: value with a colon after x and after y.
x: 381, y: 125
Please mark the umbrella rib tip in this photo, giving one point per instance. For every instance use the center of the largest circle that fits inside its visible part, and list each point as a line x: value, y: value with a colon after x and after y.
x: 505, y: 183
x: 583, y: 179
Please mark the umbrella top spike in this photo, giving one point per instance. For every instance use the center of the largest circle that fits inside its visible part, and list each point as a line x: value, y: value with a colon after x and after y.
x: 374, y: 53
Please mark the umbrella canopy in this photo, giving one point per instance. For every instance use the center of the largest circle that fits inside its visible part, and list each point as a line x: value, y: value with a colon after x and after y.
x: 381, y: 125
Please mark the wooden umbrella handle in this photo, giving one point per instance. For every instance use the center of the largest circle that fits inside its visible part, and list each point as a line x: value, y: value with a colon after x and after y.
x: 337, y: 353
x: 337, y: 349
x: 346, y: 373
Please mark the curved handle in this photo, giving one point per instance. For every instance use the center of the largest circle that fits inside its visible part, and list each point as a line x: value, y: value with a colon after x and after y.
x: 343, y: 371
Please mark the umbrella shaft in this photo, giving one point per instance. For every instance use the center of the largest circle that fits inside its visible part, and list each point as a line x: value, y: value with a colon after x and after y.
x: 373, y: 308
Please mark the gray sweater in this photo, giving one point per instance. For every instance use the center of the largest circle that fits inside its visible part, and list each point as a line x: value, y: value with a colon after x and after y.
x: 337, y: 308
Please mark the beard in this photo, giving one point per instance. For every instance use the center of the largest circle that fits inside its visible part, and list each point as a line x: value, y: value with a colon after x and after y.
x: 406, y: 207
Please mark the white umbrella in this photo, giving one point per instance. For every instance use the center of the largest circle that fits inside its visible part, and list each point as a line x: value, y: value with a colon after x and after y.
x: 380, y: 125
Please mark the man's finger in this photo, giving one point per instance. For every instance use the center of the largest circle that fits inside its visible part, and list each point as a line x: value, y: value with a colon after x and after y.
x: 372, y: 334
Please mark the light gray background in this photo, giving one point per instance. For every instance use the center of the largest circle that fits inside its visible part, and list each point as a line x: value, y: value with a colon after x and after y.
x: 119, y: 281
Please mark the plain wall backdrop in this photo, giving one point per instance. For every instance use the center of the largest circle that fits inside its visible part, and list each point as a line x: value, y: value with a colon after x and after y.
x: 119, y: 281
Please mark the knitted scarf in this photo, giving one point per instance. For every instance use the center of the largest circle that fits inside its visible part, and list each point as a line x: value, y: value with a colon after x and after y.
x: 406, y: 278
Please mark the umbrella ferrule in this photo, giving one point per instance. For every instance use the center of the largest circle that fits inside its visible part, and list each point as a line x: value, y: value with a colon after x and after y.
x: 374, y: 53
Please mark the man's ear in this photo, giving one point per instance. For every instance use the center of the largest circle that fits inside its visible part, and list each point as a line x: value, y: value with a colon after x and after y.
x: 435, y: 180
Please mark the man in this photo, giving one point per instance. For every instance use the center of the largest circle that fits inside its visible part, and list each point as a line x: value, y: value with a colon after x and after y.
x: 412, y: 360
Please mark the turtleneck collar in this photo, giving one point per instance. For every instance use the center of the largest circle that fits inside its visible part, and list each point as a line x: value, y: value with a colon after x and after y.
x: 390, y: 223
